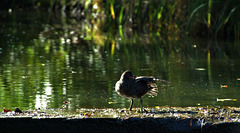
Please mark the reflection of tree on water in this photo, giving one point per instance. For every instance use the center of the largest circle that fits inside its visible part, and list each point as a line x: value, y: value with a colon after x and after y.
x: 78, y: 62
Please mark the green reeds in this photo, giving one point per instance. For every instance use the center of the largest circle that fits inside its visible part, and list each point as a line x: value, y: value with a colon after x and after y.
x: 209, y: 12
x: 221, y: 17
x: 120, y: 22
x: 165, y: 18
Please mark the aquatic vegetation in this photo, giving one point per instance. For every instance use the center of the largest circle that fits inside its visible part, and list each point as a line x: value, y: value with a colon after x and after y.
x: 164, y: 18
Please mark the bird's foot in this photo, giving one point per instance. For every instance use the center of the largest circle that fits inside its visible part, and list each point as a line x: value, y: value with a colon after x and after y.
x: 143, y: 111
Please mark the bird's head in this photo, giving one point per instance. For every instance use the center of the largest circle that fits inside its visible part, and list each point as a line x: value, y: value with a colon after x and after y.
x: 128, y: 75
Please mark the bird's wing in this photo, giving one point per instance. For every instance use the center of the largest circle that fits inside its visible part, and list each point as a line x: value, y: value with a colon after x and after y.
x: 144, y: 78
x: 150, y: 79
x: 149, y: 82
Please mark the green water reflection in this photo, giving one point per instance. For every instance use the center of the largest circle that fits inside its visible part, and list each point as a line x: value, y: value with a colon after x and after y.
x: 43, y: 63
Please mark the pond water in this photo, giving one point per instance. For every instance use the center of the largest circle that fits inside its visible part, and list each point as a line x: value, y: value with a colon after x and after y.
x: 48, y: 60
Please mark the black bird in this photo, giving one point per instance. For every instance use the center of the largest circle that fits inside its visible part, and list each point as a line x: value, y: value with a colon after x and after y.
x: 132, y: 87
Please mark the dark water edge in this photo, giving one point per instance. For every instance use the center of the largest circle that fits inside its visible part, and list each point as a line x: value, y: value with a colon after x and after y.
x: 161, y: 119
x: 113, y: 125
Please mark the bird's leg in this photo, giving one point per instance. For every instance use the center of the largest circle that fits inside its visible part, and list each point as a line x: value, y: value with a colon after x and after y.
x: 141, y: 101
x: 131, y: 105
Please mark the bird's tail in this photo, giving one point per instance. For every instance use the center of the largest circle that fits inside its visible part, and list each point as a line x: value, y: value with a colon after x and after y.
x: 153, y: 90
